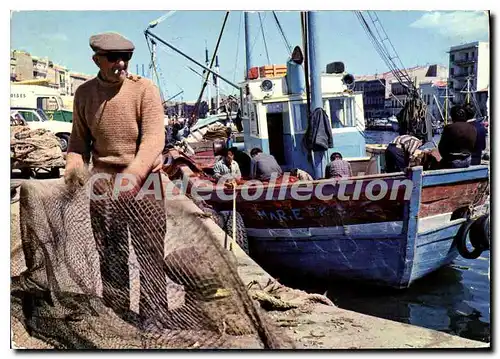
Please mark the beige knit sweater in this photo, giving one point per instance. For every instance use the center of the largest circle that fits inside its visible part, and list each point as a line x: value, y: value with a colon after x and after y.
x: 119, y: 125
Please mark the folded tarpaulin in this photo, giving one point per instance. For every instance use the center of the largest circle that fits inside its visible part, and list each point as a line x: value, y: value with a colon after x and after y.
x: 319, y: 132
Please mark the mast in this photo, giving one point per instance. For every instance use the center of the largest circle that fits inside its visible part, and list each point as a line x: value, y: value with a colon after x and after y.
x: 209, y: 94
x: 216, y: 84
x: 315, y: 76
x: 446, y: 97
x: 248, y: 55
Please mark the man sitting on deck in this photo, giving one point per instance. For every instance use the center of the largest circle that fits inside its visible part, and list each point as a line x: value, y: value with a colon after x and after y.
x: 458, y: 140
x: 263, y: 165
x: 399, y: 152
x: 338, y: 167
x: 227, y: 165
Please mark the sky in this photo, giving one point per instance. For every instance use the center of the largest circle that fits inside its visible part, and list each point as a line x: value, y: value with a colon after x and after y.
x: 419, y: 38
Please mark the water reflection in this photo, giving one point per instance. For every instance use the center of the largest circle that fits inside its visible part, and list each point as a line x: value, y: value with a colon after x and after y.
x: 455, y: 300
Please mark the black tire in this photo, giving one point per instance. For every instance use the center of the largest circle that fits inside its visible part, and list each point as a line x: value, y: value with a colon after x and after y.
x: 63, y: 142
x: 479, y: 233
x: 55, y: 172
x: 461, y: 242
x: 26, y: 172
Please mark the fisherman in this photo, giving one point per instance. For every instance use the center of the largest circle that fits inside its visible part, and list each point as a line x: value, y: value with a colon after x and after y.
x: 118, y: 122
x: 400, y: 151
x: 263, y: 165
x: 301, y: 174
x: 227, y: 165
x: 458, y: 140
x: 481, y: 135
x: 338, y: 167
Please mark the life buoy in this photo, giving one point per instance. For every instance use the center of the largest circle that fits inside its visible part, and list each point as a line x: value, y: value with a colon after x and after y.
x: 461, y: 242
x: 479, y: 233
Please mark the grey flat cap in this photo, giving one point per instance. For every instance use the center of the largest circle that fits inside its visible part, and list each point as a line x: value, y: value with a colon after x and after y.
x: 110, y: 42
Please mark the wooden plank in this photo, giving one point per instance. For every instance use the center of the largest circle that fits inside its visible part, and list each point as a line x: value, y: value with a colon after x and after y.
x: 448, y: 198
x: 411, y: 224
x: 439, y: 177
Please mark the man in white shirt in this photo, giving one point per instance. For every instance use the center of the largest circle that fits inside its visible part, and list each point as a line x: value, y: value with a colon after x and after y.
x: 227, y: 165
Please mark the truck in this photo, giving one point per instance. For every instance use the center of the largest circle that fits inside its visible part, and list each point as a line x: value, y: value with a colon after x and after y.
x: 40, y: 97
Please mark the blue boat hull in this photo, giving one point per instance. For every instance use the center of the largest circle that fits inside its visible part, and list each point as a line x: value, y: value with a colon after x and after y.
x: 383, y: 260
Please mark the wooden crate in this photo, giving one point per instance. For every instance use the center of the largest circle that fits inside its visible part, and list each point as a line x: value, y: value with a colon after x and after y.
x: 272, y: 71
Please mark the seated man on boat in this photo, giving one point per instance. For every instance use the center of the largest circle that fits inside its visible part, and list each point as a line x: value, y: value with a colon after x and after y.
x: 399, y: 153
x: 480, y: 146
x: 458, y: 140
x: 263, y: 165
x: 338, y: 167
x: 301, y: 174
x: 226, y: 165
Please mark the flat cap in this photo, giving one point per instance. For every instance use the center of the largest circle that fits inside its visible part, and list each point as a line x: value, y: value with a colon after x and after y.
x: 110, y: 42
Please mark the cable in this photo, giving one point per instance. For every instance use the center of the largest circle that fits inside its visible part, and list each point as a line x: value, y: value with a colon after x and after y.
x: 264, y: 38
x: 237, y: 48
x: 287, y: 44
x: 196, y: 108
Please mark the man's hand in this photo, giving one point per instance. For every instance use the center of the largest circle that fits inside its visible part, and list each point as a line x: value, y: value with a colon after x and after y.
x: 129, y: 183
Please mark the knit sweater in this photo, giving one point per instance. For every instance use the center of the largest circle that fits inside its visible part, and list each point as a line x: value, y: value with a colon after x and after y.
x: 119, y: 125
x: 459, y: 137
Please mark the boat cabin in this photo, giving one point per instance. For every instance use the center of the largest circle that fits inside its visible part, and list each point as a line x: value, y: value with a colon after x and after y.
x: 277, y: 120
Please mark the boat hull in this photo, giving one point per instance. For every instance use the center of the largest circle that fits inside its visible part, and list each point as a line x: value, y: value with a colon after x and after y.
x: 378, y: 258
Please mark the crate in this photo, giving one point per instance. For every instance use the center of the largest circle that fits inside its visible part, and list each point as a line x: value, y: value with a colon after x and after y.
x: 272, y: 71
x: 253, y: 73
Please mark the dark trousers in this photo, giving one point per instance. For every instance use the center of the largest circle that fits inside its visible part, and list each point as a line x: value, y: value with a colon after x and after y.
x: 395, y: 159
x: 457, y: 161
x: 114, y: 221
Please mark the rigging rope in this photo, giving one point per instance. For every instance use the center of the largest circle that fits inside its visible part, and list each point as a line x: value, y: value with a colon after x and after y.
x: 264, y: 38
x: 237, y: 49
x: 287, y: 44
x: 153, y: 65
x: 255, y: 38
x: 196, y: 108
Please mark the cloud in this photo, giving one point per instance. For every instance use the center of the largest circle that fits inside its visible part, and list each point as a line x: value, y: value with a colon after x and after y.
x: 466, y: 25
x: 55, y: 37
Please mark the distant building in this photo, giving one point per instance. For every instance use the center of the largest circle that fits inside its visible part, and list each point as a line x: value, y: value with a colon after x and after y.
x: 385, y: 96
x: 76, y: 80
x: 21, y: 66
x: 42, y: 71
x: 433, y: 94
x: 470, y: 62
x: 374, y: 94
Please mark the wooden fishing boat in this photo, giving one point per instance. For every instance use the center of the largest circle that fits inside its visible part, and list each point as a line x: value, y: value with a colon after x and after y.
x: 407, y: 233
x: 386, y: 229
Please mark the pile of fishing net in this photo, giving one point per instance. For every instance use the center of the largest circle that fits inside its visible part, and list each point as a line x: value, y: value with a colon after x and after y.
x: 62, y: 301
x: 217, y: 131
x: 34, y: 148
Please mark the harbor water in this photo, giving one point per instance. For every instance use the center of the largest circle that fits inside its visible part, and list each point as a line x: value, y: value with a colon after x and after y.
x: 454, y: 299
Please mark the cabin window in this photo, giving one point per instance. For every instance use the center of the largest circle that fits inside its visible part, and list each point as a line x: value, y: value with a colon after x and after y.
x: 341, y: 112
x: 47, y: 103
x: 300, y: 120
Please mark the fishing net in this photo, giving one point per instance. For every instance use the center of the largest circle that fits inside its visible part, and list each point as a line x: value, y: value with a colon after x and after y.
x: 124, y: 273
x: 35, y: 148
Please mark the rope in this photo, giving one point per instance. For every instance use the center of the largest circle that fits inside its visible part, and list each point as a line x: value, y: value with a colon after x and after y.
x: 264, y: 38
x: 287, y: 44
x: 233, y: 239
x: 237, y: 49
x: 34, y: 148
x: 255, y: 38
x: 211, y: 64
